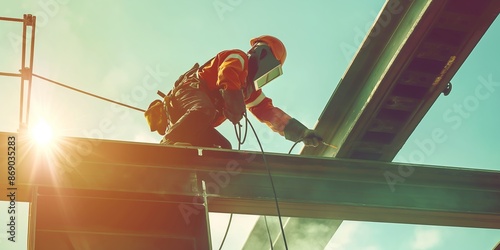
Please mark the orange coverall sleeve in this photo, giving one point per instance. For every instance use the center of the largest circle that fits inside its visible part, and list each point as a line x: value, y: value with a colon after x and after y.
x: 262, y: 107
x: 232, y: 71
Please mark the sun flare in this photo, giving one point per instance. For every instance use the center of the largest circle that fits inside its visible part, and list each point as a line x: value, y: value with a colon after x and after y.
x: 42, y: 133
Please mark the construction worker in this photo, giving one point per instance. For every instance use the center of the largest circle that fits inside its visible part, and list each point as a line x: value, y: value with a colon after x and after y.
x: 223, y: 88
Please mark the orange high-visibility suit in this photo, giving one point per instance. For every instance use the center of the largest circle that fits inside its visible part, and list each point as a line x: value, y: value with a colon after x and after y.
x: 221, y: 89
x: 229, y: 70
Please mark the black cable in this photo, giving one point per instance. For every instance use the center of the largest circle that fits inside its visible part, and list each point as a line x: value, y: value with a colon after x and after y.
x: 246, y: 129
x: 237, y: 131
x: 269, y: 233
x: 294, y: 144
x: 240, y: 142
x: 87, y: 93
x: 272, y: 182
x: 227, y: 230
x: 265, y: 218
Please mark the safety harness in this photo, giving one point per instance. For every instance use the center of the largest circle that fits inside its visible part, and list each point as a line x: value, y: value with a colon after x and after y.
x: 158, y: 112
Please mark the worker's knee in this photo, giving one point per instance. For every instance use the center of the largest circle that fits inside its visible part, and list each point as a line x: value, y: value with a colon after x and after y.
x: 204, y: 115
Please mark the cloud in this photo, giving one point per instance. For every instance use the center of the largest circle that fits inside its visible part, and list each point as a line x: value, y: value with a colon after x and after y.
x: 425, y: 238
x: 344, y: 235
x: 241, y: 227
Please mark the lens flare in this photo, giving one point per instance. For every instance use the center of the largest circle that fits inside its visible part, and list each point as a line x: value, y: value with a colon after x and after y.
x: 42, y: 133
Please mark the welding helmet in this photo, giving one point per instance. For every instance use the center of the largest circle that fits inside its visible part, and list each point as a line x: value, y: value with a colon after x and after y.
x: 265, y: 59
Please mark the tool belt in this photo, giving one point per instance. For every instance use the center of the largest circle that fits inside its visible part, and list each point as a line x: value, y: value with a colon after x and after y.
x: 158, y: 114
x: 190, y: 79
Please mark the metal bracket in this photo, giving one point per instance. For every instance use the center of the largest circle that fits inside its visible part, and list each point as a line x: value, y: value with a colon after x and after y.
x: 205, y: 203
x: 29, y: 20
x: 26, y: 74
x: 447, y: 90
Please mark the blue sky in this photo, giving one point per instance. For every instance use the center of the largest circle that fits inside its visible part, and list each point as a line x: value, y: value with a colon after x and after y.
x: 127, y: 50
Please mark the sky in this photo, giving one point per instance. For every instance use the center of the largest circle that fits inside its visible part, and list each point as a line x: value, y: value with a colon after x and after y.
x: 127, y: 50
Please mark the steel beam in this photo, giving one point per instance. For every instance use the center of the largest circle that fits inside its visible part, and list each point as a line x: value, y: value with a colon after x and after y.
x: 398, y: 73
x: 411, y: 52
x: 237, y: 182
x: 70, y: 210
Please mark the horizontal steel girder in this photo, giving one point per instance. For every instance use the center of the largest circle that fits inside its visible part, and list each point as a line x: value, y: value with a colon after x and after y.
x: 238, y: 182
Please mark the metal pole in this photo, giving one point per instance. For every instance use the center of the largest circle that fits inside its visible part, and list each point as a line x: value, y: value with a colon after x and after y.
x: 32, y: 56
x: 205, y: 201
x: 11, y: 19
x: 23, y: 60
x: 32, y: 218
x: 10, y: 74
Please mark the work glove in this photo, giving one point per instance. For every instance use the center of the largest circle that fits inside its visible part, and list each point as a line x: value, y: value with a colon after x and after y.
x: 296, y: 131
x: 234, y: 104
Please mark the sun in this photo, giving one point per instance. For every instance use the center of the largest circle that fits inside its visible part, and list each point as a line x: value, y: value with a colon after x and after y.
x: 42, y: 133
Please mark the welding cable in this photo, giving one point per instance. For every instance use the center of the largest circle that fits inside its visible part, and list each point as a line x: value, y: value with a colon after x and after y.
x: 237, y: 130
x: 241, y: 141
x: 293, y: 146
x: 227, y: 230
x: 246, y: 130
x: 265, y: 217
x: 322, y: 142
x: 269, y: 233
x: 87, y: 93
x: 272, y: 183
x: 239, y: 137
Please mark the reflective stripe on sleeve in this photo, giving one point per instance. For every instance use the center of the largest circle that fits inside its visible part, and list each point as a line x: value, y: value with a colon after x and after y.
x: 257, y: 100
x: 236, y: 56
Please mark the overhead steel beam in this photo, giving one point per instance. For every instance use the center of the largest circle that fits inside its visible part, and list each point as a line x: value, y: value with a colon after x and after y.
x: 396, y: 19
x: 237, y: 182
x: 398, y: 73
x: 405, y: 62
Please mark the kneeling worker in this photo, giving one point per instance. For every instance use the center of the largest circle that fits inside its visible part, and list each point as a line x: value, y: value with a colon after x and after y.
x: 223, y: 88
